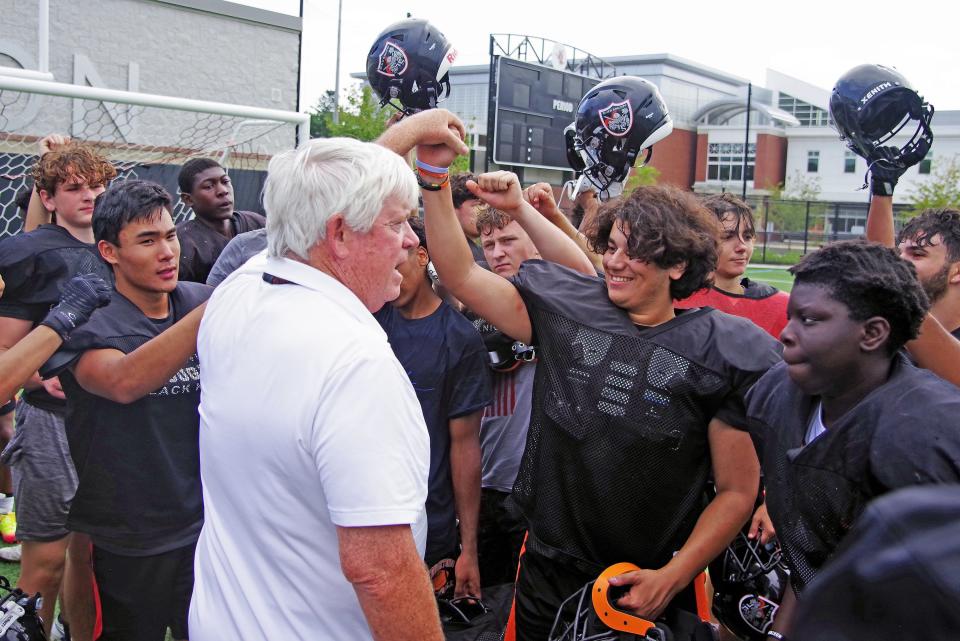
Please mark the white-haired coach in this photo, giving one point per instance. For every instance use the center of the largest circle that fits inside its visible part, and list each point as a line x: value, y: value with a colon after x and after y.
x: 314, y: 454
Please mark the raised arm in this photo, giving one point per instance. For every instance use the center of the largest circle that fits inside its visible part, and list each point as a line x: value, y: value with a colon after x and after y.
x: 501, y: 189
x: 483, y: 292
x: 486, y: 294
x: 430, y: 127
x: 37, y: 214
x: 125, y: 378
x: 540, y: 197
x: 880, y: 220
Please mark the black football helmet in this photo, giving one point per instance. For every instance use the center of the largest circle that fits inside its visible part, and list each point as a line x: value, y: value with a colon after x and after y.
x: 748, y: 583
x: 19, y: 615
x: 409, y: 63
x: 616, y: 120
x: 870, y: 104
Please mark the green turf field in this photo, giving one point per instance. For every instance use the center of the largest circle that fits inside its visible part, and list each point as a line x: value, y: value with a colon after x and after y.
x: 779, y: 277
x: 10, y: 570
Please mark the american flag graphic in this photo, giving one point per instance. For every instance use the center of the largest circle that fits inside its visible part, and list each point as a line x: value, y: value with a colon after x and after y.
x: 504, y: 394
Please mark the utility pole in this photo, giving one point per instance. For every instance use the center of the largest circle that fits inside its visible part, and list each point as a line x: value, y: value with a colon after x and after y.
x: 746, y: 142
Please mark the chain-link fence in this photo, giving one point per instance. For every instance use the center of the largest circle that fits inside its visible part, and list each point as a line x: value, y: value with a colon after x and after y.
x: 788, y: 229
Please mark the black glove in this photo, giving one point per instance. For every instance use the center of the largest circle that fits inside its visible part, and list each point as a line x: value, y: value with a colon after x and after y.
x: 885, y: 167
x: 81, y: 295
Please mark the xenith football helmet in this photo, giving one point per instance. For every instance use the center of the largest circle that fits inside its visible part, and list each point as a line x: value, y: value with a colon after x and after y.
x: 409, y: 63
x: 870, y: 104
x: 616, y: 120
x: 19, y: 618
x: 748, y: 582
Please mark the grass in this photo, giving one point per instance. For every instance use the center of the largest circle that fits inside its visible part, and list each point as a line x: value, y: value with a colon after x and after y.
x: 779, y: 277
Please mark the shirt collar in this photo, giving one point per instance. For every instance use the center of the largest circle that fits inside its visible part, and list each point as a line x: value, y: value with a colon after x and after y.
x: 311, y: 278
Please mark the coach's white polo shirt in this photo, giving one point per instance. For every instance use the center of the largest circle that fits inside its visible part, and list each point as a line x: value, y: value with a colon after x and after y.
x: 307, y: 421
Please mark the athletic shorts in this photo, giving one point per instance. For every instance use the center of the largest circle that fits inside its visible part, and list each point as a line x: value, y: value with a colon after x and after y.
x: 141, y: 596
x: 44, y: 479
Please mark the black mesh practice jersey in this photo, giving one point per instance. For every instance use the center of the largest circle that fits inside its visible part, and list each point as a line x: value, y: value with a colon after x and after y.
x: 34, y: 267
x: 905, y: 432
x: 200, y: 246
x: 617, y: 456
x: 138, y: 464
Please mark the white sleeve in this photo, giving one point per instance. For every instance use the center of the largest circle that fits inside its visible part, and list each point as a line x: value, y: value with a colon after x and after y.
x: 370, y: 443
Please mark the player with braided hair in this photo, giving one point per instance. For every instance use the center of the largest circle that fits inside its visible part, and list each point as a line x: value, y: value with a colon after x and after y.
x: 847, y: 417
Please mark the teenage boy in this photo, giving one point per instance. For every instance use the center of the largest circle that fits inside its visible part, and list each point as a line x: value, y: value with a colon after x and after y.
x: 641, y: 401
x: 206, y: 188
x: 846, y: 417
x: 445, y: 359
x: 732, y: 292
x: 35, y: 266
x: 503, y: 429
x: 133, y: 386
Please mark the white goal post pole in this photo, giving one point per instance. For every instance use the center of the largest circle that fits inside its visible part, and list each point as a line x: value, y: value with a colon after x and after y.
x: 30, y: 85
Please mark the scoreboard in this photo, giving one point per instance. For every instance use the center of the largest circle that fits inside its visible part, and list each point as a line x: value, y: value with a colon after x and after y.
x: 533, y: 105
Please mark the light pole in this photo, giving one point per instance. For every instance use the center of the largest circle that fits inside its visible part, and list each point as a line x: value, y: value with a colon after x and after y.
x: 336, y: 85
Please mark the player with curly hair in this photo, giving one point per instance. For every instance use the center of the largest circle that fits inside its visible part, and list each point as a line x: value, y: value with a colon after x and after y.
x: 636, y: 402
x: 35, y: 266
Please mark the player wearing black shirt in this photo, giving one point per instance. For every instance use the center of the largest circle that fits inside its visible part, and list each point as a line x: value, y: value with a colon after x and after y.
x: 846, y: 417
x: 633, y: 402
x: 206, y: 187
x: 445, y: 359
x: 133, y: 387
x: 35, y: 266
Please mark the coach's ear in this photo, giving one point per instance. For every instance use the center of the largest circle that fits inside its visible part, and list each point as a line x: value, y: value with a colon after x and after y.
x: 875, y: 332
x: 337, y: 236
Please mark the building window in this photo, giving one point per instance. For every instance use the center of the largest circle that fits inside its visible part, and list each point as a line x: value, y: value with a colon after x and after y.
x: 813, y: 161
x: 924, y: 166
x: 725, y: 161
x: 849, y: 162
x: 808, y: 115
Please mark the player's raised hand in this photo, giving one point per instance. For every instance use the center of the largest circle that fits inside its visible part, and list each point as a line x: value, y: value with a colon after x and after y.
x: 428, y: 129
x: 499, y: 189
x: 540, y: 197
x: 51, y: 143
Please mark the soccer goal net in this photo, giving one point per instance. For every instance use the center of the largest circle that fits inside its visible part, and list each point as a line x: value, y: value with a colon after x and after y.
x: 143, y: 135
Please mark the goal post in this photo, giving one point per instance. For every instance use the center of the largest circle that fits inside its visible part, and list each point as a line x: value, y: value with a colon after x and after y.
x: 143, y: 135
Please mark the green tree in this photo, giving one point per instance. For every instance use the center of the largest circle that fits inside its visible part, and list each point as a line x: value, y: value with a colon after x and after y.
x: 641, y: 177
x: 361, y: 117
x: 318, y: 115
x: 941, y: 189
x: 787, y: 207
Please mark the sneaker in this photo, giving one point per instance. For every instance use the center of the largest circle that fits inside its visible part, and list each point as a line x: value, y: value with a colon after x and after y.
x: 59, y: 631
x: 10, y: 554
x: 8, y: 527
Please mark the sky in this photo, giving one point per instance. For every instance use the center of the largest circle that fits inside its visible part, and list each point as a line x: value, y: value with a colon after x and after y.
x: 815, y: 42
